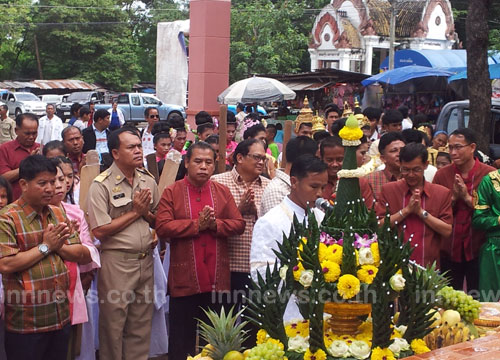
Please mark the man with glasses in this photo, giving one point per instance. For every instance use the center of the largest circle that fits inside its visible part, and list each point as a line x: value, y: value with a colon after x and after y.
x: 460, y: 253
x: 151, y: 116
x: 247, y: 186
x: 422, y: 209
x: 14, y: 151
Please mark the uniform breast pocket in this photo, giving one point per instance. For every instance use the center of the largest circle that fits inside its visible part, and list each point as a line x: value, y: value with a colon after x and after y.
x: 120, y: 205
x: 5, y: 130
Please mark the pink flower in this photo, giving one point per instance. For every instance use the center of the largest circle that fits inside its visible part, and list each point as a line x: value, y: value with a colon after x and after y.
x: 364, y: 241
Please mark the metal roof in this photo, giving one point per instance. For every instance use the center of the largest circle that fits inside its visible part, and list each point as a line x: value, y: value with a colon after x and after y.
x: 48, y: 84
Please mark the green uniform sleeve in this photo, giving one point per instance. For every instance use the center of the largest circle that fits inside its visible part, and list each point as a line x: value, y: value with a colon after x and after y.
x: 485, y: 217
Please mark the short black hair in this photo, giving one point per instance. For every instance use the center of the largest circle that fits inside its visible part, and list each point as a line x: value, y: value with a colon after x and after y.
x: 388, y: 138
x: 308, y: 124
x: 300, y: 145
x: 231, y: 118
x: 403, y: 109
x: 100, y: 114
x: 392, y: 117
x: 372, y: 113
x: 272, y: 128
x: 202, y: 145
x: 212, y: 139
x: 240, y: 106
x: 412, y: 151
x: 33, y: 165
x: 114, y: 137
x: 252, y: 132
x: 177, y: 122
x: 279, y: 126
x: 419, y: 119
x: 204, y: 127
x: 330, y: 142
x: 469, y: 135
x: 160, y: 130
x: 307, y: 164
x: 319, y: 136
x: 411, y: 135
x: 5, y: 107
x: 337, y: 126
x: 75, y: 107
x: 4, y: 183
x: 203, y: 117
x: 84, y: 111
x: 332, y: 107
x: 51, y: 145
x: 68, y: 128
x: 148, y: 109
x: 244, y: 147
x: 445, y: 154
x: 20, y: 118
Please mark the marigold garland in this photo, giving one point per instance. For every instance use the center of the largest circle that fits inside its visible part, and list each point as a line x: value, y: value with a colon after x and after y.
x: 382, y: 354
x: 331, y: 270
x: 367, y: 273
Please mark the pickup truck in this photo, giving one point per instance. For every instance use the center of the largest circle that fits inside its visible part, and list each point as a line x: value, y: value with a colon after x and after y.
x: 455, y: 115
x: 133, y: 105
x: 81, y: 97
x: 20, y: 102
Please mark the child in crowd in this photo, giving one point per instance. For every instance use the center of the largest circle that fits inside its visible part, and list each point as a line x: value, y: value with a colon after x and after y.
x: 442, y: 159
x: 271, y: 145
x: 231, y: 132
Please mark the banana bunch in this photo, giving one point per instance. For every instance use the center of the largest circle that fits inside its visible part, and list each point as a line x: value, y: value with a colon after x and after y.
x: 446, y: 335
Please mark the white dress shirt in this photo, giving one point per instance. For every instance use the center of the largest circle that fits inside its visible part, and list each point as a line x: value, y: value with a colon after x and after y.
x: 49, y: 129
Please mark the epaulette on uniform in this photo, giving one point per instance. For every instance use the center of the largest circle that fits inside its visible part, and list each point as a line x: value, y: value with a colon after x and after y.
x: 102, y: 176
x: 145, y: 171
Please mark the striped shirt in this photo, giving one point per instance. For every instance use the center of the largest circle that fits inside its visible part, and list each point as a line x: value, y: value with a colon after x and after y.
x: 239, y: 245
x: 35, y: 298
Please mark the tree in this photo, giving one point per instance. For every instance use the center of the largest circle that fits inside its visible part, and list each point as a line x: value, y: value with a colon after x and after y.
x: 478, y: 80
x: 265, y: 38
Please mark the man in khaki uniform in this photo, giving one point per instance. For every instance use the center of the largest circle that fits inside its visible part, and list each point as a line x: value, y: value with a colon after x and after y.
x: 7, y: 125
x: 121, y: 205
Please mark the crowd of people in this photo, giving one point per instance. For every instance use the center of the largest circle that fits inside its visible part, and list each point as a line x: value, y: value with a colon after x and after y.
x: 131, y: 275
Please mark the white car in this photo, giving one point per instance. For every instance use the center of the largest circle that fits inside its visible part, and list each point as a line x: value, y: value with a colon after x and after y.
x: 21, y: 102
x: 51, y: 99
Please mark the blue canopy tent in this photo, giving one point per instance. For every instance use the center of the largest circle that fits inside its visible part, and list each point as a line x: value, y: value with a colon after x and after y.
x: 403, y: 74
x: 494, y: 73
x: 454, y: 60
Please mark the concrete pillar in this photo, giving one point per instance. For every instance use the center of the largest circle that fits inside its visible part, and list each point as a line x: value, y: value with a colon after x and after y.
x: 368, y: 59
x: 345, y: 59
x: 209, y: 38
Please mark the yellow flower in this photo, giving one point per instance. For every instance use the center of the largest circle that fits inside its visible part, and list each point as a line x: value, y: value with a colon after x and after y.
x: 375, y: 253
x: 367, y: 273
x: 348, y: 286
x: 297, y: 270
x: 318, y: 355
x: 418, y: 346
x: 335, y: 253
x: 395, y: 334
x: 347, y: 133
x: 382, y: 354
x: 365, y: 328
x: 261, y: 336
x: 322, y: 252
x: 277, y: 342
x: 331, y: 270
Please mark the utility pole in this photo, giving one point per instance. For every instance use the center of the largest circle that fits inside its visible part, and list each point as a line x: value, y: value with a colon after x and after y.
x: 39, y: 63
x: 392, y: 34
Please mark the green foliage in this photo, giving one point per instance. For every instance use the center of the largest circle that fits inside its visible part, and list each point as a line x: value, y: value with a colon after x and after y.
x: 418, y: 299
x: 267, y: 304
x: 267, y: 37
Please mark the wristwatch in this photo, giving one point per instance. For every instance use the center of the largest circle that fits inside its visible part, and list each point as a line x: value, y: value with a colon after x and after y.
x: 425, y: 214
x: 44, y: 249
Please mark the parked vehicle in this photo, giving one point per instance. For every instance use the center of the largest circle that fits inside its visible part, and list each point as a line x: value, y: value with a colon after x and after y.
x: 21, y: 102
x: 455, y: 115
x: 51, y: 99
x: 134, y: 104
x: 81, y: 97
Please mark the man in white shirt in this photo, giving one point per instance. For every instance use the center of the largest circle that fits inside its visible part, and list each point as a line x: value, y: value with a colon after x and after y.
x: 308, y: 178
x: 151, y: 116
x: 280, y: 186
x: 50, y: 126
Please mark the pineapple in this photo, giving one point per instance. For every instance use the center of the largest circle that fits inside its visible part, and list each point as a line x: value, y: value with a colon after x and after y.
x: 223, y: 334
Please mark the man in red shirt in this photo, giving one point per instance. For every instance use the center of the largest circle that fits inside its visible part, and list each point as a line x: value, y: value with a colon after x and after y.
x: 197, y: 215
x: 423, y: 207
x: 460, y: 253
x: 13, y: 152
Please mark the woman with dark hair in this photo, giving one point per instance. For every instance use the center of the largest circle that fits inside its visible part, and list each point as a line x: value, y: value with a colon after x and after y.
x: 5, y: 192
x: 177, y: 123
x: 81, y: 273
x: 67, y: 168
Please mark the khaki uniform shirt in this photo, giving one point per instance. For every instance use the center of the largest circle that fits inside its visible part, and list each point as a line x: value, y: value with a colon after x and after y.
x: 7, y: 130
x: 110, y: 196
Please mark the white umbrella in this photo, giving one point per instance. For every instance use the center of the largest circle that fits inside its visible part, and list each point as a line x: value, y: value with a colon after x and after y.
x: 256, y: 89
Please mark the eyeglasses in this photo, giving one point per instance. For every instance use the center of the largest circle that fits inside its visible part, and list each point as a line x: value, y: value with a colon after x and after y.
x: 154, y: 116
x: 456, y: 147
x: 258, y: 158
x: 416, y: 170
